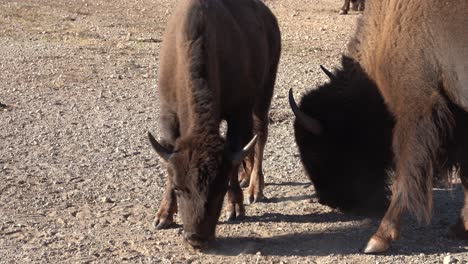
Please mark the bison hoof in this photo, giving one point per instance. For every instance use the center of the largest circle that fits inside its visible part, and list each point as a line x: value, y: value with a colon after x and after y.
x: 343, y: 12
x: 236, y: 212
x: 162, y: 224
x: 244, y: 183
x: 231, y: 216
x: 255, y: 199
x: 377, y: 245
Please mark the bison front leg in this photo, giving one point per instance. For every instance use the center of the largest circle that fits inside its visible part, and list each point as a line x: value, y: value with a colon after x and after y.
x: 170, y: 132
x: 388, y: 231
x: 167, y: 209
x: 419, y: 135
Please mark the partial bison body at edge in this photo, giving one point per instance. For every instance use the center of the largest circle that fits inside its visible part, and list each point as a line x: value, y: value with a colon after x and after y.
x: 415, y: 54
x: 218, y: 62
x: 343, y: 131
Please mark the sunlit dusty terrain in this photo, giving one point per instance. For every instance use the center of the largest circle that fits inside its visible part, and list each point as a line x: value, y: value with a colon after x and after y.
x: 80, y: 183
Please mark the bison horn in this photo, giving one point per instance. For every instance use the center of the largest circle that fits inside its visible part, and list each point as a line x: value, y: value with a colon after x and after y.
x: 309, y: 123
x: 328, y: 73
x: 162, y: 151
x: 238, y: 157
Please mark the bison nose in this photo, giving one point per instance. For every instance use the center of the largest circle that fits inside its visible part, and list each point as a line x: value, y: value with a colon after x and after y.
x: 195, y: 240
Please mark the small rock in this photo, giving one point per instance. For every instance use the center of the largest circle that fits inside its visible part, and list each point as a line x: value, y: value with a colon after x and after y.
x: 107, y: 200
x: 450, y: 260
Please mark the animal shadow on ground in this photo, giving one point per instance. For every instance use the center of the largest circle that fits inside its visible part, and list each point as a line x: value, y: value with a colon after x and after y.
x: 351, y: 239
x: 305, y: 184
x: 290, y: 198
x: 327, y: 217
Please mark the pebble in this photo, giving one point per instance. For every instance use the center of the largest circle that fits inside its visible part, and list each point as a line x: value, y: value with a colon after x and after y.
x: 450, y: 260
x: 107, y: 200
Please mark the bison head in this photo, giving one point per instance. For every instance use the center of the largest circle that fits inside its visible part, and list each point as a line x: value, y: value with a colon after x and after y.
x: 199, y: 170
x: 343, y: 130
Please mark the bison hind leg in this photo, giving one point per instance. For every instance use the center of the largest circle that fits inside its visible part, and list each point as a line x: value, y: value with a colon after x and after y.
x: 361, y: 5
x: 355, y: 4
x: 245, y: 171
x: 344, y: 10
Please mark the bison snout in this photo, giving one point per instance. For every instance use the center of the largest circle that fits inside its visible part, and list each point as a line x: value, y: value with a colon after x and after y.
x: 197, y: 241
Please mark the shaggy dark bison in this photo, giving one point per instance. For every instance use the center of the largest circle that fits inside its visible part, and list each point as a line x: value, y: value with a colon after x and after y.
x: 218, y: 62
x: 344, y: 134
x: 414, y: 54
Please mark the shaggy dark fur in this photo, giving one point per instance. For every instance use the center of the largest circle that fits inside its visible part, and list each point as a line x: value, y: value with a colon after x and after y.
x: 348, y: 162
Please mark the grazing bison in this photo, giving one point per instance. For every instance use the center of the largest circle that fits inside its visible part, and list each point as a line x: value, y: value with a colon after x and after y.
x: 218, y: 62
x: 414, y: 53
x: 344, y: 134
x: 357, y: 5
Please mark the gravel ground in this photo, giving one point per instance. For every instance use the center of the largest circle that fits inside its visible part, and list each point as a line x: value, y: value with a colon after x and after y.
x: 80, y: 183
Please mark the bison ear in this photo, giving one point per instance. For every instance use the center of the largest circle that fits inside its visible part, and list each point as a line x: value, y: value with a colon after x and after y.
x: 310, y: 124
x: 162, y: 151
x: 238, y: 157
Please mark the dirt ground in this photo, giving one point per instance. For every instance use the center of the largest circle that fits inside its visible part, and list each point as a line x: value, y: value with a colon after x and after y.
x: 79, y: 182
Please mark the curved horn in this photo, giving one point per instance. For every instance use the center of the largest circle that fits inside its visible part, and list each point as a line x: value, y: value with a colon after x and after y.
x: 311, y: 124
x: 328, y: 73
x: 238, y: 157
x: 162, y: 151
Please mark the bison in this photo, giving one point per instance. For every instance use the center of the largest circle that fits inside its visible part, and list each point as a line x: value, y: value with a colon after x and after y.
x: 413, y: 54
x: 357, y: 5
x: 218, y: 62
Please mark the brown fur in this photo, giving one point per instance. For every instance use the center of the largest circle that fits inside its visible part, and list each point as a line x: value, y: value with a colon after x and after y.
x: 416, y: 52
x: 218, y: 62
